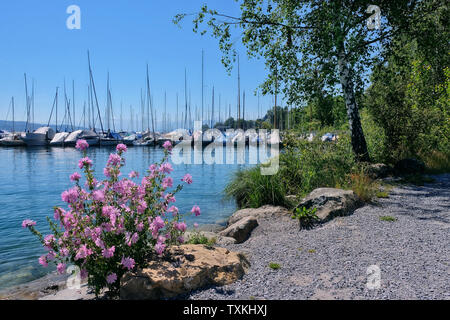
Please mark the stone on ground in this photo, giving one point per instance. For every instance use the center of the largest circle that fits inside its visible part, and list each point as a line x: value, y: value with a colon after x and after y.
x: 183, y: 269
x: 267, y: 211
x: 331, y: 202
x: 241, y: 229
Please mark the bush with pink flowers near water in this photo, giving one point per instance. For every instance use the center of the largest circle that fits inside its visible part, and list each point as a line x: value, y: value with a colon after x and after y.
x: 115, y: 225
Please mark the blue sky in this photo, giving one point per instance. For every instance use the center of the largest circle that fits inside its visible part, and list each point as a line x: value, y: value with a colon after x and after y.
x: 122, y: 37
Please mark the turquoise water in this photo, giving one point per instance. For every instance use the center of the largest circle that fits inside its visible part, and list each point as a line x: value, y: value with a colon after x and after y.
x: 31, y: 182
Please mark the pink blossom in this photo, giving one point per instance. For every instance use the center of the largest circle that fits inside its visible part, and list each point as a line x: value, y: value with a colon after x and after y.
x: 196, y: 225
x: 121, y: 147
x: 174, y: 210
x: 167, y: 183
x: 159, y: 248
x: 166, y: 168
x: 108, y: 253
x: 83, y: 252
x: 82, y: 145
x: 196, y: 210
x: 75, y: 176
x: 180, y: 226
x: 187, y: 178
x: 180, y: 239
x: 98, y: 195
x: 84, y: 162
x: 133, y: 174
x: 43, y: 261
x: 64, y: 252
x: 167, y: 145
x: 28, y: 223
x: 140, y: 226
x: 70, y: 196
x: 128, y: 263
x: 107, y: 172
x: 114, y: 159
x: 61, y: 267
x: 111, y: 278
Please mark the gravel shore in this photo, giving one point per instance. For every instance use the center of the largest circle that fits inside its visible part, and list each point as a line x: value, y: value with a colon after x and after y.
x: 331, y: 261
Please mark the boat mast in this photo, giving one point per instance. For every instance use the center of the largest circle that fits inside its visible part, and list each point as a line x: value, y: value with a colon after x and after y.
x: 212, y: 109
x: 73, y: 103
x: 27, y: 102
x: 239, y: 95
x: 150, y: 103
x: 94, y: 91
x: 202, y: 82
x: 243, y: 111
x: 185, y: 99
x: 12, y: 102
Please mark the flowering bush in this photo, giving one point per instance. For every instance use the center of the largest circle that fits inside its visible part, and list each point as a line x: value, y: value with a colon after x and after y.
x: 115, y: 225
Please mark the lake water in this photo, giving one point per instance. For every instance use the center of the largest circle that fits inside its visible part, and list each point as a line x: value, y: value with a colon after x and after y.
x: 31, y: 182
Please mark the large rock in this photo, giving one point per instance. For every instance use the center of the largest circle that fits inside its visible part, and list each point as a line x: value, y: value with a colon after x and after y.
x: 379, y: 170
x: 331, y: 202
x: 264, y: 211
x: 240, y: 230
x: 211, y: 236
x: 183, y: 269
x: 409, y: 166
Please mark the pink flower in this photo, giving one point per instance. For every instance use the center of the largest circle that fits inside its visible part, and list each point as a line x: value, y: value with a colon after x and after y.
x: 196, y: 225
x: 108, y: 253
x: 166, y: 168
x: 121, y: 147
x: 70, y: 196
x: 61, y: 268
x: 83, y: 252
x: 84, y: 162
x: 107, y: 172
x: 128, y: 263
x: 43, y: 261
x: 114, y: 159
x: 196, y: 210
x: 111, y: 278
x: 82, y: 145
x: 180, y: 239
x: 140, y: 226
x: 159, y: 248
x: 180, y: 226
x: 64, y: 252
x: 28, y: 223
x: 167, y: 145
x: 98, y: 195
x: 167, y: 183
x: 174, y: 210
x: 187, y: 178
x: 133, y: 174
x: 75, y: 177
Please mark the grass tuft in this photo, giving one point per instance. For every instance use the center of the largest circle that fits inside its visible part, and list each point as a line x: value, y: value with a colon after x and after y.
x: 274, y: 266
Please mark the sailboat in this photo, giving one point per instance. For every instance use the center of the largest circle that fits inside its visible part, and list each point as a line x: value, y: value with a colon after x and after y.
x: 12, y: 139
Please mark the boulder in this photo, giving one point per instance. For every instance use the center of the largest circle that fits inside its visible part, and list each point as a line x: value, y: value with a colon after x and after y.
x: 183, y: 269
x: 409, y: 166
x: 379, y: 170
x: 221, y: 240
x: 331, y: 202
x: 240, y: 230
x: 264, y: 211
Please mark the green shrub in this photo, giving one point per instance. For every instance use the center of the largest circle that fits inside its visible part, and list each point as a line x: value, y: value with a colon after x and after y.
x: 198, y: 238
x: 388, y: 218
x: 274, y: 266
x: 306, y: 217
x: 382, y: 194
x: 250, y: 189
